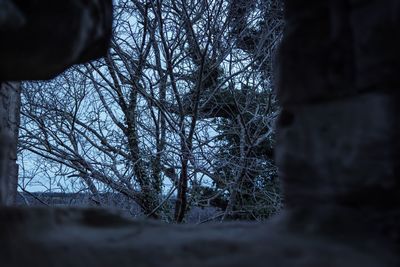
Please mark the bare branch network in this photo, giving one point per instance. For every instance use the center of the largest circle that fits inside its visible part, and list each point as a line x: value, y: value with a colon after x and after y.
x: 179, y: 114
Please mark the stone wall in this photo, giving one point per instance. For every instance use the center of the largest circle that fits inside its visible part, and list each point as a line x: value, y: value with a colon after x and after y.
x: 78, y: 238
x: 338, y: 136
x: 337, y: 151
x: 40, y: 39
x: 9, y: 122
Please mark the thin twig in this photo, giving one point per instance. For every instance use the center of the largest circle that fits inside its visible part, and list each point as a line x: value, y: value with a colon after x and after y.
x: 32, y: 195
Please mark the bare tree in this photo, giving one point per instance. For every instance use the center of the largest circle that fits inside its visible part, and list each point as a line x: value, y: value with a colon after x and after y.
x: 179, y: 107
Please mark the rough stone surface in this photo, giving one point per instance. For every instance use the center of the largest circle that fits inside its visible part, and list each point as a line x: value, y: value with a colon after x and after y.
x: 39, y: 39
x: 343, y: 154
x: 10, y: 94
x: 338, y: 147
x: 376, y: 30
x: 337, y: 151
x: 61, y: 237
x: 352, y: 141
x: 316, y: 59
x: 336, y: 49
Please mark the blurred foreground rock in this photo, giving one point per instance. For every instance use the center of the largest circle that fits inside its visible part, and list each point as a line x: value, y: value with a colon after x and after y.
x: 40, y: 39
x: 10, y: 101
x: 71, y: 237
x: 338, y: 145
x: 338, y: 152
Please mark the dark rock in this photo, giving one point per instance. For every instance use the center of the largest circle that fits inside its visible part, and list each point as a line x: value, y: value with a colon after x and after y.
x: 344, y: 154
x: 10, y: 94
x: 10, y: 16
x: 376, y: 27
x: 51, y: 36
x: 65, y: 237
x: 316, y: 59
x: 335, y: 49
x: 338, y: 146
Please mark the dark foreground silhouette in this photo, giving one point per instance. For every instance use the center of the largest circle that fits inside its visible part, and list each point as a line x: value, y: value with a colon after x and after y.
x: 337, y: 151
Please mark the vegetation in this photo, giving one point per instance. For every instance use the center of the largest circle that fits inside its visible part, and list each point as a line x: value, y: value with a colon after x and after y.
x: 180, y: 111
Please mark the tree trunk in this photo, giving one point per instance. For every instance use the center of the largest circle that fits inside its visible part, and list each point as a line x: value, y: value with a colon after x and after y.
x: 181, y: 201
x: 10, y: 97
